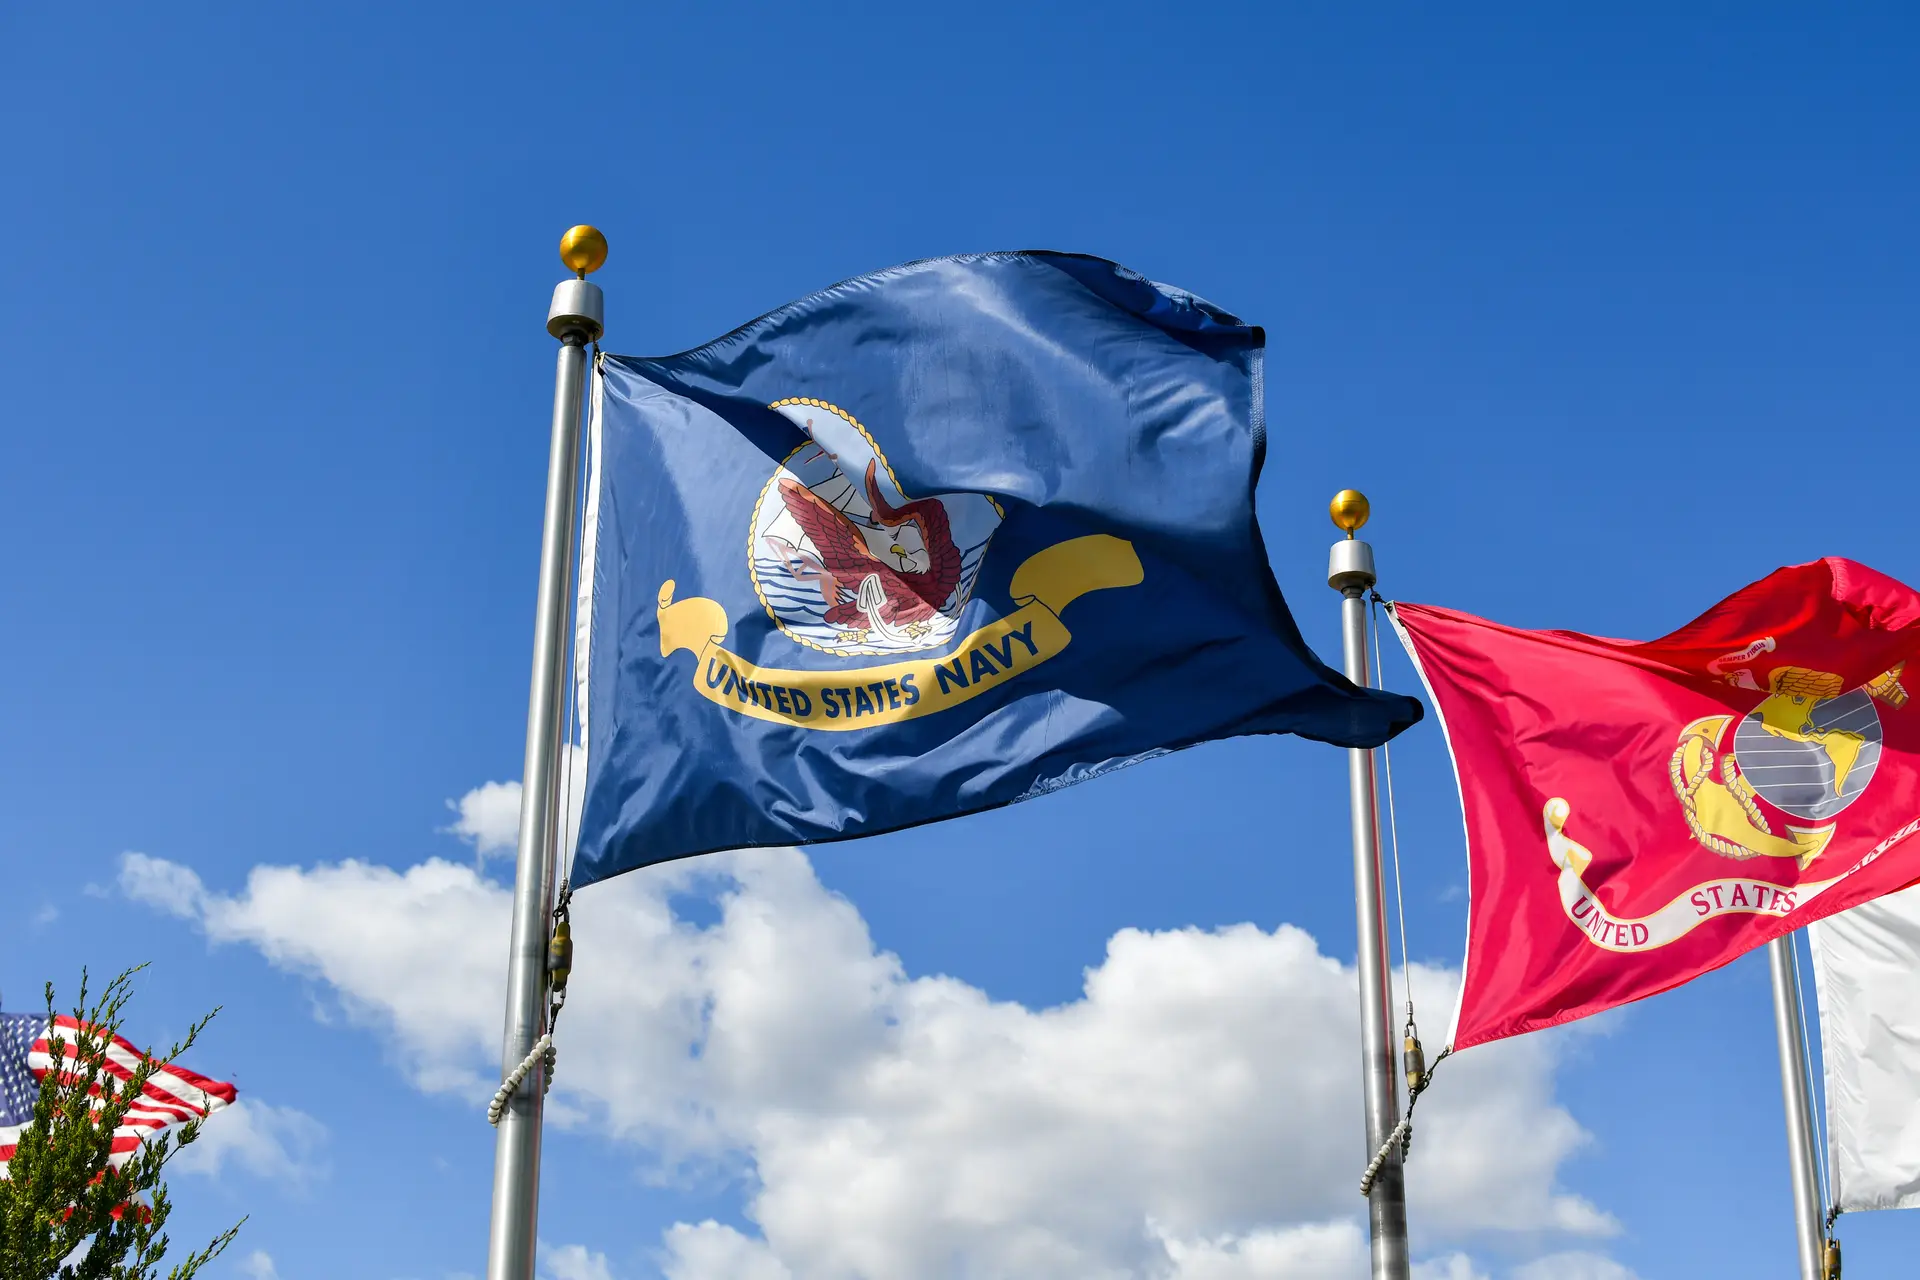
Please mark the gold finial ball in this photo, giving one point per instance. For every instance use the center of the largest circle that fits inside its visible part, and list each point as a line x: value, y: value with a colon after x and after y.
x: 584, y: 250
x: 1349, y: 510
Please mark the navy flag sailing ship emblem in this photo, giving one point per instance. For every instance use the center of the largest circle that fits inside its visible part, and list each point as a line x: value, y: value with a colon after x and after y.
x: 932, y: 541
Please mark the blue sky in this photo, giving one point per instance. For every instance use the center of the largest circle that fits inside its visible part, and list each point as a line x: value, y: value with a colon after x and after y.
x: 1609, y: 315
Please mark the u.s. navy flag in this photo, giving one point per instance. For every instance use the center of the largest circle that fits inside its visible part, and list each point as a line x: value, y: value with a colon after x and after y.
x: 935, y: 540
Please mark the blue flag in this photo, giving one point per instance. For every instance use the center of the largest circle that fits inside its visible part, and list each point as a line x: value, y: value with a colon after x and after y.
x: 932, y: 541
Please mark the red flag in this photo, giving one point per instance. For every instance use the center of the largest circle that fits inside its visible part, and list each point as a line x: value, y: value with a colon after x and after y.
x: 1640, y: 813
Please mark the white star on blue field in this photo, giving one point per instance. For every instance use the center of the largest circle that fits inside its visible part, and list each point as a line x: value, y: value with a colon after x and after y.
x: 1607, y: 314
x: 18, y: 1089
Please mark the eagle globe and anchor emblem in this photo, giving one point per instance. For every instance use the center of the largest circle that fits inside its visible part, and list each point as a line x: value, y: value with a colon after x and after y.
x: 1772, y: 782
x: 1767, y: 783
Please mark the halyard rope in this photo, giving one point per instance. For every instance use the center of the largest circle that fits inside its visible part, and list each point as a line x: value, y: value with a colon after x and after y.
x: 542, y: 1048
x: 1393, y: 824
x: 1402, y: 1135
x: 1417, y: 1072
x: 1398, y: 1135
x: 559, y: 969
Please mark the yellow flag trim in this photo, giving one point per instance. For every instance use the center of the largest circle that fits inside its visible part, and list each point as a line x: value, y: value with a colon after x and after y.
x: 865, y: 697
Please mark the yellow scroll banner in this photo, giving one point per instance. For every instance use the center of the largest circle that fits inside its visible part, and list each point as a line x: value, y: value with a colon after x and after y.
x: 863, y: 697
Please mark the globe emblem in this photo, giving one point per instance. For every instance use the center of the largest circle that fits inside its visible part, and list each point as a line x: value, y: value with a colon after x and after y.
x: 1810, y: 757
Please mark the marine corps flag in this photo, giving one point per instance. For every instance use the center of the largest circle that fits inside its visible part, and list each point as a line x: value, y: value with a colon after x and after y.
x: 1640, y: 813
x: 934, y: 540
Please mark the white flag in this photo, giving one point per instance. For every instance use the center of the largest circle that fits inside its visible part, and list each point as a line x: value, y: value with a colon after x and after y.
x: 1866, y: 963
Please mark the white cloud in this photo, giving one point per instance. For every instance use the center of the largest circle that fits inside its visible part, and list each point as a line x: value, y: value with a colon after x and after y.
x: 350, y: 924
x: 258, y: 1265
x: 488, y: 817
x: 1329, y: 1251
x: 159, y: 883
x: 1455, y: 1266
x: 572, y: 1262
x: 1573, y: 1266
x: 277, y: 1143
x: 1192, y: 1116
x: 711, y: 1249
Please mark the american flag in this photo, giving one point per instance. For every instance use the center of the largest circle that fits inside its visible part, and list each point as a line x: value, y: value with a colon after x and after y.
x: 172, y: 1095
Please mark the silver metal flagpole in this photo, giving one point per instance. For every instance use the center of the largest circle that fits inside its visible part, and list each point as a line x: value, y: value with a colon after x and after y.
x: 576, y: 319
x: 1796, y: 1091
x: 1350, y: 572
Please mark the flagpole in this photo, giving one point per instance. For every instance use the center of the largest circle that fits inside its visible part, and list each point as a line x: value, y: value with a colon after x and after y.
x: 1796, y: 1091
x: 575, y: 318
x: 1350, y: 572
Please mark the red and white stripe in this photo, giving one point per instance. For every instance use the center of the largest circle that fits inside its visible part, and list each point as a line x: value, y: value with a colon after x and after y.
x: 171, y: 1095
